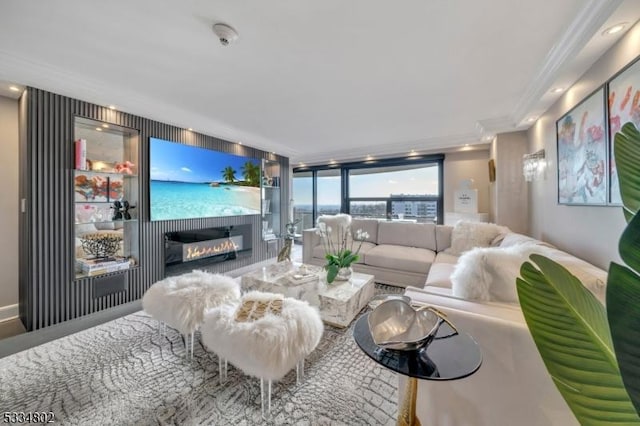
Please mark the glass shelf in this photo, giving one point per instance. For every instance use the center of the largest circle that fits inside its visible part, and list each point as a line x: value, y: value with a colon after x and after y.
x: 271, y: 227
x: 96, y: 189
x: 107, y: 221
x: 101, y: 172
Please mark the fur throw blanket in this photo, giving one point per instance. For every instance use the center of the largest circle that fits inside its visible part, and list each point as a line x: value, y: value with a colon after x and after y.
x: 268, y: 347
x: 490, y: 273
x: 180, y: 301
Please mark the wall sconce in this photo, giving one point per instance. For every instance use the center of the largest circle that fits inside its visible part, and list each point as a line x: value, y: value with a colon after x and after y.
x: 533, y: 165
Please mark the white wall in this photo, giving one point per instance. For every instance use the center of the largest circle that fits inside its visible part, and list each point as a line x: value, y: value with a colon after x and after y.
x: 591, y: 233
x: 464, y: 165
x: 8, y: 206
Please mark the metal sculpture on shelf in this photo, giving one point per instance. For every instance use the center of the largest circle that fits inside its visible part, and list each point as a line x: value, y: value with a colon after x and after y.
x: 101, y: 244
x: 121, y: 210
x: 285, y: 252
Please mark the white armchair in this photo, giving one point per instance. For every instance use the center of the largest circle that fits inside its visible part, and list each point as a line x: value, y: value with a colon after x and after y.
x: 512, y: 386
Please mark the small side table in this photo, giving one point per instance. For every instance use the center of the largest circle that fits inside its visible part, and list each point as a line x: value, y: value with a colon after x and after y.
x: 450, y: 356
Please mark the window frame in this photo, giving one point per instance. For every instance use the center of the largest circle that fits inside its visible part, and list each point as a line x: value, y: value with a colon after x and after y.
x: 345, y: 168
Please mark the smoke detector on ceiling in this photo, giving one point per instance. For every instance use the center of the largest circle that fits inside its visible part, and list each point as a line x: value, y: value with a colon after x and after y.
x: 225, y: 34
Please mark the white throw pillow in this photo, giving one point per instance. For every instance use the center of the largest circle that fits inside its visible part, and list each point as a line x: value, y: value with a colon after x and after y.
x: 468, y: 235
x: 489, y: 274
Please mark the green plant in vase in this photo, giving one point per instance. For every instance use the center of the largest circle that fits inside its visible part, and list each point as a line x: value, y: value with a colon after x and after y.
x: 593, y: 353
x: 338, y: 245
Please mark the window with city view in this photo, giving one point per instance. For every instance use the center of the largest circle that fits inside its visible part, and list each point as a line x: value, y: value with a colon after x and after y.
x: 399, y: 189
x: 303, y: 199
x: 409, y: 192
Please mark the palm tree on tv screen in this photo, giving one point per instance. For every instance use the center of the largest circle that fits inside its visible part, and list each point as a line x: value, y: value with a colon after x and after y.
x: 251, y: 173
x: 228, y: 174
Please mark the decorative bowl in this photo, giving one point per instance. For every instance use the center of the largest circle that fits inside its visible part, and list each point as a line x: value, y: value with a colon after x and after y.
x: 395, y: 324
x: 377, y: 300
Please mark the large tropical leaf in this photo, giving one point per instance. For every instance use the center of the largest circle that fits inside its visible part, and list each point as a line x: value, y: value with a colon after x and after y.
x: 623, y: 284
x: 569, y: 327
x: 627, y: 157
x: 623, y: 302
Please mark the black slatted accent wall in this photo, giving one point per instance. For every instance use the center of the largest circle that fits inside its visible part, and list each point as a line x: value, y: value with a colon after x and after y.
x: 49, y: 294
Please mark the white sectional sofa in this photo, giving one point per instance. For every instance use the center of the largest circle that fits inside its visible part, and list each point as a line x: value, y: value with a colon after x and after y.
x: 396, y: 253
x: 512, y: 386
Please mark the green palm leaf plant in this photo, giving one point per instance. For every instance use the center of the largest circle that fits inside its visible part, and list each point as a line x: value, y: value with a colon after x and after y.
x: 593, y: 353
x: 229, y: 174
x: 251, y: 173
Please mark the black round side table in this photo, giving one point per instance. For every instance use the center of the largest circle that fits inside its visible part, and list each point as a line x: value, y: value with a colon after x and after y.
x: 450, y: 356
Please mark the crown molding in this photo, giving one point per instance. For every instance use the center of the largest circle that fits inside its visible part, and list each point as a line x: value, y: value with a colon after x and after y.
x: 47, y: 77
x: 592, y: 16
x: 391, y: 149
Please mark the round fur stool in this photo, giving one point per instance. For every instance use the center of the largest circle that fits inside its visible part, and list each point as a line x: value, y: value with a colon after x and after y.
x: 180, y: 301
x: 265, y: 336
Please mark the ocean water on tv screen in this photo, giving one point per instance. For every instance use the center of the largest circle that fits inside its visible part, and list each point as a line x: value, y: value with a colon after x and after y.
x: 180, y: 200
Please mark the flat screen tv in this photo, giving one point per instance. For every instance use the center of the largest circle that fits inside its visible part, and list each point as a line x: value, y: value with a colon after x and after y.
x: 189, y: 182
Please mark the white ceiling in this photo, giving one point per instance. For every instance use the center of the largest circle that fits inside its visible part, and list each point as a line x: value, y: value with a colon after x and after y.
x: 314, y: 80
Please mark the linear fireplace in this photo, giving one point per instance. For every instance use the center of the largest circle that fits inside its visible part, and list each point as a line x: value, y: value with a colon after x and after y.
x: 200, y: 248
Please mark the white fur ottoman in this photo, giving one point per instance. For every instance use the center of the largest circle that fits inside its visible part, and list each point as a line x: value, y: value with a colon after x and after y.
x: 180, y: 301
x: 265, y: 336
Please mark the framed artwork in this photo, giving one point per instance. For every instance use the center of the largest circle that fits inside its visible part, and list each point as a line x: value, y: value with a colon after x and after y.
x: 624, y: 107
x: 582, y: 153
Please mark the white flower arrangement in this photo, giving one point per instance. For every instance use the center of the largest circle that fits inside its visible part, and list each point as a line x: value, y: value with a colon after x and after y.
x: 339, y: 251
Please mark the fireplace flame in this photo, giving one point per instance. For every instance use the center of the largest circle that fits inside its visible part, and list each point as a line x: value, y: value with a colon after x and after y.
x: 195, y: 251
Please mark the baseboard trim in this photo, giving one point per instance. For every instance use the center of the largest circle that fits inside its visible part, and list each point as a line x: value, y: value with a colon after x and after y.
x: 8, y: 312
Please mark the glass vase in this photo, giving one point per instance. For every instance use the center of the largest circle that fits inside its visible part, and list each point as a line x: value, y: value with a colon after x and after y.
x: 344, y: 274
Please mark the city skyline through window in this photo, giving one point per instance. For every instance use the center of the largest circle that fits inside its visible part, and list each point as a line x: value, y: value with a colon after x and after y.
x: 409, y: 191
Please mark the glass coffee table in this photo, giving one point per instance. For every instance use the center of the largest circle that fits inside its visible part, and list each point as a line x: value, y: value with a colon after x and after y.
x: 338, y: 302
x: 450, y: 356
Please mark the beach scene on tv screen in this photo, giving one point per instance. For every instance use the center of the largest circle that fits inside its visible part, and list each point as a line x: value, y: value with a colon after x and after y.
x: 190, y: 182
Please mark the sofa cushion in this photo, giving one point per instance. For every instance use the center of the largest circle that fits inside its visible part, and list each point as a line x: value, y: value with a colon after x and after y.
x: 593, y: 278
x: 421, y: 235
x: 443, y: 257
x: 370, y: 226
x: 440, y: 275
x: 468, y: 235
x: 410, y: 259
x: 318, y: 251
x: 443, y: 237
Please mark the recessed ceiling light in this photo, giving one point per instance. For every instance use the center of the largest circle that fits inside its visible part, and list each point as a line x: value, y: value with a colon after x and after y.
x: 112, y: 107
x: 106, y: 126
x: 273, y: 152
x: 557, y: 90
x: 531, y: 119
x: 99, y: 129
x: 239, y: 143
x: 14, y: 88
x: 466, y: 144
x: 190, y: 129
x: 614, y: 29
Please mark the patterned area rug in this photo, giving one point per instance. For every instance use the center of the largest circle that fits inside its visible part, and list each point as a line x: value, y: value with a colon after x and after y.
x: 124, y: 373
